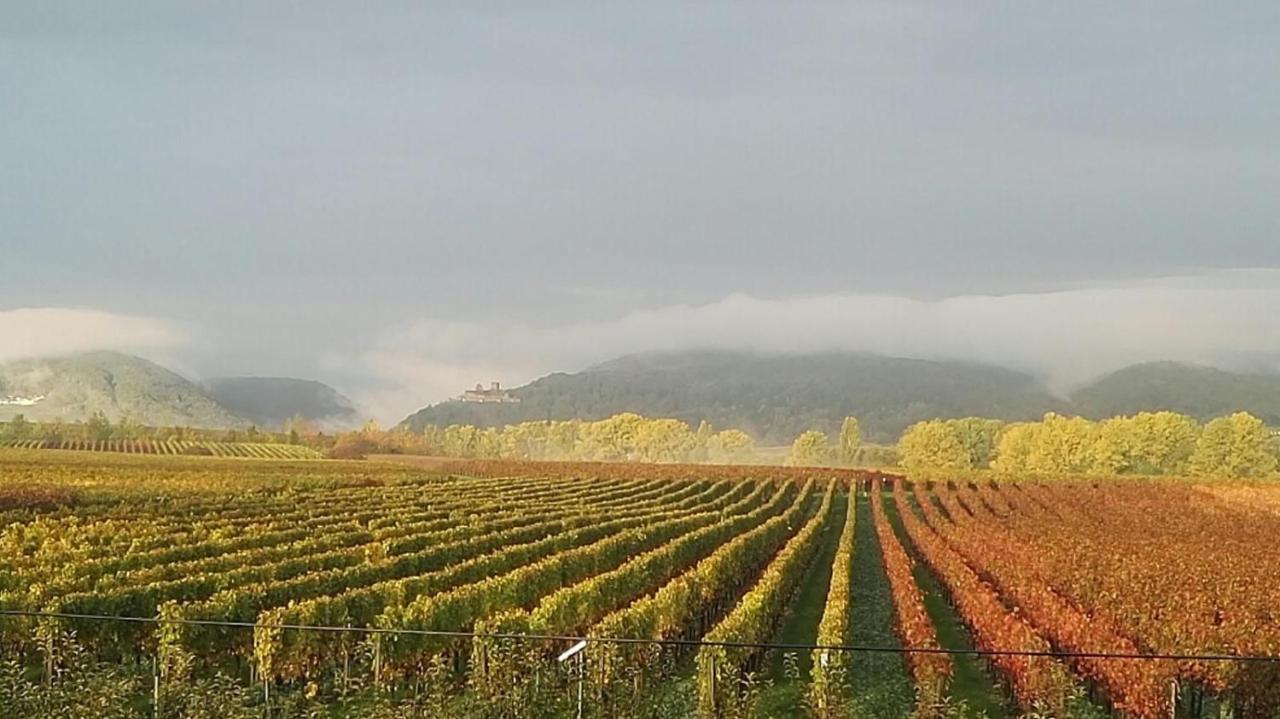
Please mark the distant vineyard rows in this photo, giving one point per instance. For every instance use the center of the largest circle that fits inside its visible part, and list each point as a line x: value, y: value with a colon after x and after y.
x: 162, y: 447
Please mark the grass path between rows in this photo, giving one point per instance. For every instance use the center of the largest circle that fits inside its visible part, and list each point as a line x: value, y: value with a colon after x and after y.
x: 880, y: 685
x: 790, y: 675
x: 972, y: 683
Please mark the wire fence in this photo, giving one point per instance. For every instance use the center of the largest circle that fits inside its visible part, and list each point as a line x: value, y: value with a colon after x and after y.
x: 574, y: 639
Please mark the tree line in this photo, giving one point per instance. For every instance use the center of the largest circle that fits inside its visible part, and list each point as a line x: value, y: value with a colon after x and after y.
x: 1147, y: 443
x: 622, y: 437
x: 98, y: 428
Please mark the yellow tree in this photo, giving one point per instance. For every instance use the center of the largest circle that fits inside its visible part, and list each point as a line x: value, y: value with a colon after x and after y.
x: 933, y: 445
x: 731, y: 446
x: 613, y: 438
x: 811, y: 448
x: 662, y: 440
x: 1064, y: 445
x: 1113, y: 450
x: 850, y: 441
x: 1146, y: 443
x: 1015, y: 446
x: 701, y: 448
x: 1165, y: 441
x: 461, y: 440
x: 1235, y: 446
x: 563, y: 438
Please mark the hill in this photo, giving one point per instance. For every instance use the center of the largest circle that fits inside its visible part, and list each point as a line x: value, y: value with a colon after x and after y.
x: 272, y: 401
x: 772, y: 397
x: 70, y: 389
x: 1202, y: 392
x: 776, y: 397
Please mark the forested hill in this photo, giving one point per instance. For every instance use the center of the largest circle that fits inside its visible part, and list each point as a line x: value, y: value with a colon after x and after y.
x: 1201, y: 392
x: 777, y: 397
x: 772, y: 397
x: 273, y: 401
x: 70, y: 389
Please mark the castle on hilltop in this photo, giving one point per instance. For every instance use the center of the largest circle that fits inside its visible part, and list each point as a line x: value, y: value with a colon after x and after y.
x: 495, y: 394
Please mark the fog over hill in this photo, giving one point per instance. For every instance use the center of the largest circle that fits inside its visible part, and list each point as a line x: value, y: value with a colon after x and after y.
x: 775, y: 397
x: 73, y: 387
x: 70, y: 389
x: 272, y: 401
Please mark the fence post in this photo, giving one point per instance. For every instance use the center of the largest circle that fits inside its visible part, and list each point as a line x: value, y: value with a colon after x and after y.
x: 155, y: 687
x: 582, y: 674
x: 715, y: 681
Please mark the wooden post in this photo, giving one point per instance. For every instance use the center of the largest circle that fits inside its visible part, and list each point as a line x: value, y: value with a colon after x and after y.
x: 714, y: 682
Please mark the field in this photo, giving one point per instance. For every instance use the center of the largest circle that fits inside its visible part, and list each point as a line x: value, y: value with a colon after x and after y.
x: 476, y: 576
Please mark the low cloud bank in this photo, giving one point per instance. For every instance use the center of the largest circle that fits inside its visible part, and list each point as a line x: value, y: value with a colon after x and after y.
x: 55, y: 331
x: 1229, y: 319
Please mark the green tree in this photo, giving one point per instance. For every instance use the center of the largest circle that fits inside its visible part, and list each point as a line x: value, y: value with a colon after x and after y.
x: 128, y: 427
x: 18, y: 428
x: 461, y: 440
x: 978, y: 436
x: 811, y: 448
x: 433, y: 438
x: 850, y: 441
x: 1234, y: 446
x: 51, y: 431
x: 98, y: 427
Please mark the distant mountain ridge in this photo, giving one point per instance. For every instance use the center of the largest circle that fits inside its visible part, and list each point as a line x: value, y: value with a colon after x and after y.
x: 273, y: 401
x: 72, y: 388
x: 776, y: 397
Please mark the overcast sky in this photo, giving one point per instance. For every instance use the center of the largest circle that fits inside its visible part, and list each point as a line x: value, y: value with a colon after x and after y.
x: 405, y: 198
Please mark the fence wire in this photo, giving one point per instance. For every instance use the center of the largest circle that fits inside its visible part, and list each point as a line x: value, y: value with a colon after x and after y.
x: 574, y: 639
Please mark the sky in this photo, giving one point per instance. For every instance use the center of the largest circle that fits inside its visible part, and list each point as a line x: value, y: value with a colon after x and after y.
x: 406, y: 198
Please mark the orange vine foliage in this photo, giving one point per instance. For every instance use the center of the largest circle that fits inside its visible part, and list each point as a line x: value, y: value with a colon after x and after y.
x: 1172, y: 569
x: 930, y: 671
x: 1034, y: 681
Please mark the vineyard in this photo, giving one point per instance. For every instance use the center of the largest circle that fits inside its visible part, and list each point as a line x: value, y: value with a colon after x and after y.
x: 370, y: 589
x: 259, y: 450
